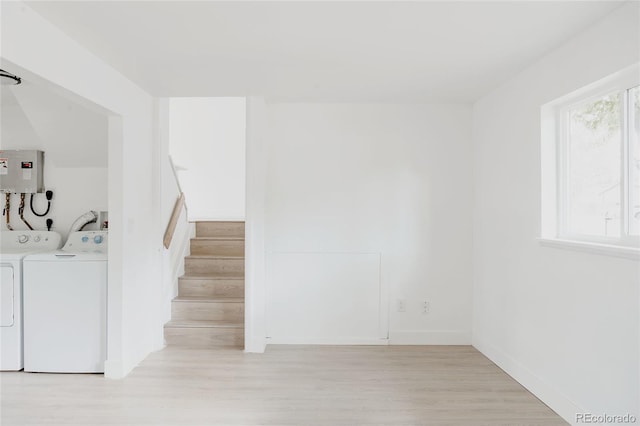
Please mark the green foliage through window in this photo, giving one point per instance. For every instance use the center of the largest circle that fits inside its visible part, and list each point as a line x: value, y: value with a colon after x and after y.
x: 603, y: 114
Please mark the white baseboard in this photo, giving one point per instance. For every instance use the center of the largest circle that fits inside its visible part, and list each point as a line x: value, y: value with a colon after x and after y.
x: 114, y: 369
x: 255, y: 345
x: 157, y: 342
x: 184, y: 249
x: 429, y: 338
x: 395, y: 338
x: 543, y: 390
x: 175, y: 258
x: 325, y: 341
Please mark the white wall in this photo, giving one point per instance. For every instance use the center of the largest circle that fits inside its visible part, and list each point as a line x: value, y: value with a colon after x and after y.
x: 170, y: 186
x: 376, y: 191
x: 38, y: 51
x: 207, y: 144
x: 563, y: 323
x: 72, y: 134
x: 76, y: 191
x: 173, y: 256
x: 255, y: 254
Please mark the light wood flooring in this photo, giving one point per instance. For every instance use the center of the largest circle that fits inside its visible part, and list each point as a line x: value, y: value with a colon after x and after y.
x: 287, y: 385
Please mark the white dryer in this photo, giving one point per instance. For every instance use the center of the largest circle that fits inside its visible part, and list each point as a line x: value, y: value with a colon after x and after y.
x: 65, y: 306
x: 14, y: 246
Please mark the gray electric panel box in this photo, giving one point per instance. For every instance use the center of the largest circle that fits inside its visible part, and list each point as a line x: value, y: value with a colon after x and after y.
x: 21, y: 171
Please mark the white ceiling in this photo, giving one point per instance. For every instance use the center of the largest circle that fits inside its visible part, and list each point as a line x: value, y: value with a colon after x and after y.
x: 322, y: 51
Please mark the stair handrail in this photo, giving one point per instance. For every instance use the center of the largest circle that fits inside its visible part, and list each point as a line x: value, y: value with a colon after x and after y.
x: 173, y: 222
x: 177, y: 209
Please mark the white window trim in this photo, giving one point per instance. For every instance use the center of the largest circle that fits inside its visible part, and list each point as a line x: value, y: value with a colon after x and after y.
x: 552, y: 161
x: 590, y: 247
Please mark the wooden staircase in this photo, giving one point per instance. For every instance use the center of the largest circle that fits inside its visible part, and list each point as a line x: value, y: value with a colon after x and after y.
x: 209, y: 308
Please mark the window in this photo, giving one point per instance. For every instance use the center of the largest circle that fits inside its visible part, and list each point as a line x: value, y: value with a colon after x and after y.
x: 596, y: 144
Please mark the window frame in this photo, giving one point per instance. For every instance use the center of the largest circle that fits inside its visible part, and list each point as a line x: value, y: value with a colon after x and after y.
x: 557, y: 113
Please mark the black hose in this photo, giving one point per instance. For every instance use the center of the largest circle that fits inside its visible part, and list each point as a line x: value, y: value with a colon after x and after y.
x: 49, y: 196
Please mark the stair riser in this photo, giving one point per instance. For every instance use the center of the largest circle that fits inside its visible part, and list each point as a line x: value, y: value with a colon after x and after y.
x: 204, y: 337
x: 207, y: 311
x: 206, y: 266
x: 220, y: 229
x: 210, y: 288
x: 217, y: 248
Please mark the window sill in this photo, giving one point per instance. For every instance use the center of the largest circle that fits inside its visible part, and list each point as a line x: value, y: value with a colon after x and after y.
x: 595, y: 248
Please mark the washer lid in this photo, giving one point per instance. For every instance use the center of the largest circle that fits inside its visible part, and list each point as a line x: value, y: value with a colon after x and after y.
x: 66, y: 256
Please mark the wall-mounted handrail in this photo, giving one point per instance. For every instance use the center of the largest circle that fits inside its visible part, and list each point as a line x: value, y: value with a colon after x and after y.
x: 173, y: 222
x: 177, y: 208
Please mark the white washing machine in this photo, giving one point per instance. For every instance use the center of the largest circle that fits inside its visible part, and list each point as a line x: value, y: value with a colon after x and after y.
x: 14, y: 246
x: 65, y: 306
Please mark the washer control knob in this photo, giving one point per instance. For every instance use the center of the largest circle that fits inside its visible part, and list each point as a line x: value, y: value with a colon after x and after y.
x: 97, y: 239
x: 37, y: 238
x: 85, y: 239
x: 23, y: 238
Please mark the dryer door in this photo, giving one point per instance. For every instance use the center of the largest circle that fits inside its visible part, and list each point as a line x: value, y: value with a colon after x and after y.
x: 6, y: 295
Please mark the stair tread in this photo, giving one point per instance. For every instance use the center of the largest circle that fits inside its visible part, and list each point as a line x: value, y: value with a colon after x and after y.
x: 217, y: 238
x: 221, y: 299
x: 218, y: 221
x: 213, y: 256
x: 203, y: 324
x: 215, y: 276
x: 212, y: 277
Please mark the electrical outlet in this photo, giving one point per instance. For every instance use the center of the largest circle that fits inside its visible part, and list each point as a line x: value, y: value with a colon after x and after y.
x: 425, y: 307
x: 401, y: 305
